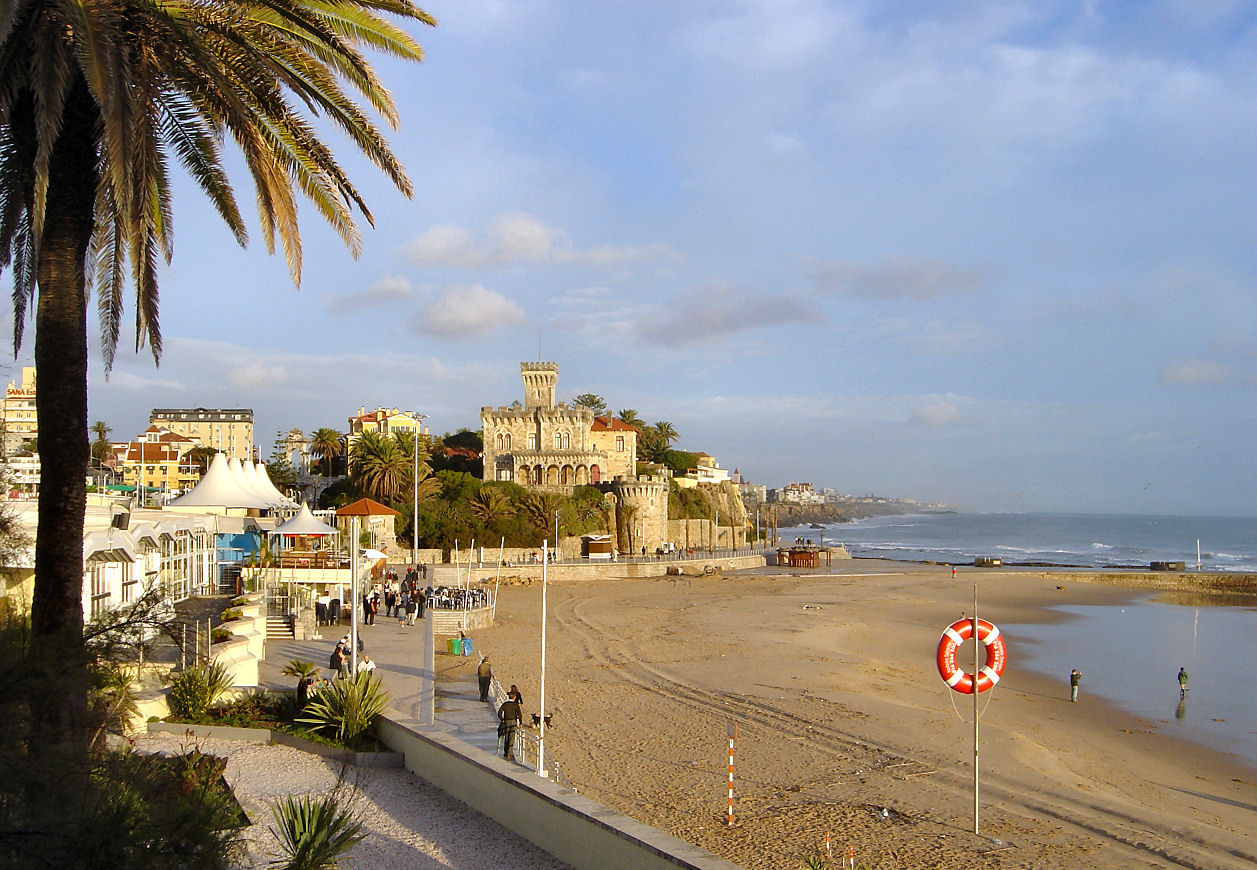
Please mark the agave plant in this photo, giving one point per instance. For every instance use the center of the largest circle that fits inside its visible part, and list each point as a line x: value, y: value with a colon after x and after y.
x: 346, y: 708
x: 314, y: 833
x: 197, y: 688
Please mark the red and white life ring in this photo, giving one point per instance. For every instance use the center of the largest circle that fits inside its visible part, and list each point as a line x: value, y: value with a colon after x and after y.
x: 996, y: 656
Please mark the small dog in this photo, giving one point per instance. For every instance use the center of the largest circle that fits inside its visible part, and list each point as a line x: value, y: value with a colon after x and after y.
x: 536, y: 719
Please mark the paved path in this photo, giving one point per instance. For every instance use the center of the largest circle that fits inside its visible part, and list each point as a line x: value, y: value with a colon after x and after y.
x: 400, y: 653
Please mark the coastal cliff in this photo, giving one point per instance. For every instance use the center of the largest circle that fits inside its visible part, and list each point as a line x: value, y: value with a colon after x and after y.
x: 793, y: 515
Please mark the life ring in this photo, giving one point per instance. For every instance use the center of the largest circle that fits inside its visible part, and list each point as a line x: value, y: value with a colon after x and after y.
x: 996, y: 656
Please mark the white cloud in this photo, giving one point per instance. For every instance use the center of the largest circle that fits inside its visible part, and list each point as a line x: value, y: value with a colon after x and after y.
x: 936, y: 412
x: 719, y: 309
x: 257, y: 375
x: 515, y: 239
x: 465, y: 312
x: 902, y: 278
x: 390, y: 288
x: 1194, y: 373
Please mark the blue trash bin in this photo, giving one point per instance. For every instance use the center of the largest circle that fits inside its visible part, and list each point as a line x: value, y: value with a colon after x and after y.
x: 466, y: 646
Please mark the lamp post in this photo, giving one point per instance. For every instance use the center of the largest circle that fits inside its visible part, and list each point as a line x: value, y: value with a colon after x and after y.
x: 414, y: 479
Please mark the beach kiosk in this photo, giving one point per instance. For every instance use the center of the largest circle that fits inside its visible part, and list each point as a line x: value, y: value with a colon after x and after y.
x: 596, y: 547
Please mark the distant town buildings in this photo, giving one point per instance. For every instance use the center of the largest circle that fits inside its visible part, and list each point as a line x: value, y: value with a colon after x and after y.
x: 157, y: 461
x: 707, y: 470
x: 385, y: 421
x: 796, y: 493
x: 227, y: 430
x: 17, y: 419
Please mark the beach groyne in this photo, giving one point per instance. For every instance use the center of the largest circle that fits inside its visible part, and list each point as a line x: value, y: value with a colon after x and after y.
x: 1199, y: 582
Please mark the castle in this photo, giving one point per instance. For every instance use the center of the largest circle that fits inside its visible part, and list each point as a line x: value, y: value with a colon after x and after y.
x: 544, y: 444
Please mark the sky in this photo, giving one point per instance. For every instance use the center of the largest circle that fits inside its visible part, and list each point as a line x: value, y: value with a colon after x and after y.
x: 998, y: 255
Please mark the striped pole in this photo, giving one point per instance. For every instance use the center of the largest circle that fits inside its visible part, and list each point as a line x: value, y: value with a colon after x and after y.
x: 733, y: 733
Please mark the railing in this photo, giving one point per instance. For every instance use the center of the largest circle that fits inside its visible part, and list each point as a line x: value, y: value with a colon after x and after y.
x: 527, y: 745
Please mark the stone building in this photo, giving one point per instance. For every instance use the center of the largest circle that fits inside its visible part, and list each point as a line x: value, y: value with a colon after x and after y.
x: 544, y: 443
x: 227, y: 430
x: 18, y: 420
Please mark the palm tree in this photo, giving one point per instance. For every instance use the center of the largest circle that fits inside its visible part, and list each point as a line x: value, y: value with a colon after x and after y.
x: 202, y: 456
x: 379, y: 466
x: 490, y: 505
x: 592, y: 401
x: 327, y: 444
x: 539, y: 506
x: 629, y: 416
x: 667, y: 433
x: 101, y: 446
x: 97, y: 98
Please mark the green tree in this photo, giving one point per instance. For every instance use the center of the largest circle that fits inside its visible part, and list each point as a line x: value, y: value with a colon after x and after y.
x: 379, y: 466
x: 101, y: 447
x: 97, y: 99
x: 490, y: 505
x: 327, y: 444
x: 666, y: 432
x: 202, y: 456
x: 594, y: 403
x: 279, y: 466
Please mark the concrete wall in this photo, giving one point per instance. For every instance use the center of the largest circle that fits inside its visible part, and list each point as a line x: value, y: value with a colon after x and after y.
x: 567, y: 825
x: 612, y: 570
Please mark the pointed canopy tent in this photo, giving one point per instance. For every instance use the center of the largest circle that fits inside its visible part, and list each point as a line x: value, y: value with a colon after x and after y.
x: 304, y: 524
x: 365, y: 507
x: 264, y: 482
x: 220, y: 488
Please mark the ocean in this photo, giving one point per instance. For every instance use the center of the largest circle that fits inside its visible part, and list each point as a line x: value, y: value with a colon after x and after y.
x: 1083, y: 540
x: 1129, y: 655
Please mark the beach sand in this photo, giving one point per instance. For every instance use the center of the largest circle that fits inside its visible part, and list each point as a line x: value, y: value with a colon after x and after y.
x: 845, y: 729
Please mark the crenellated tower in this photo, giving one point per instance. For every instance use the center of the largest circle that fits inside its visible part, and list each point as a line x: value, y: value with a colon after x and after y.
x: 540, y: 379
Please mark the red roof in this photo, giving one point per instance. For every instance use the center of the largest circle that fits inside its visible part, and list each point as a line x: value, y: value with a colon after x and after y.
x: 607, y: 423
x: 365, y: 507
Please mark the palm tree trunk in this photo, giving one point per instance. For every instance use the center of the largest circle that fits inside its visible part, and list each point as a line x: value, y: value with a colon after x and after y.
x: 57, y: 656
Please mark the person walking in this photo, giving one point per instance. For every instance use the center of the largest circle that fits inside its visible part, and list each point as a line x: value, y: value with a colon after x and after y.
x: 1074, y: 679
x: 1182, y: 682
x: 509, y: 715
x: 412, y: 606
x: 420, y: 601
x: 484, y: 674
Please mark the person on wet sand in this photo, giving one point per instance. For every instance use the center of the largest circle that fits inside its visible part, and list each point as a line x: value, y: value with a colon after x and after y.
x: 1182, y: 682
x: 1074, y: 679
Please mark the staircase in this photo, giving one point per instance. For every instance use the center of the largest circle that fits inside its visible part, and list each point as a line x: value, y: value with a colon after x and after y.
x: 279, y: 627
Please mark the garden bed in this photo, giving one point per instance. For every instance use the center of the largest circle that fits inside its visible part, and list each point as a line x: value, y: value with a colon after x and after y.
x: 284, y: 738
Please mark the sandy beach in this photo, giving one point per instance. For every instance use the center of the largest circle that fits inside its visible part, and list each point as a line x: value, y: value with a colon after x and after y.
x: 845, y: 729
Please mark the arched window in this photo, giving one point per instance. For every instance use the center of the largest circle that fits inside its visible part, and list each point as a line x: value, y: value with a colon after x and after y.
x: 558, y: 441
x: 567, y: 441
x: 507, y: 439
x: 532, y: 440
x: 593, y: 474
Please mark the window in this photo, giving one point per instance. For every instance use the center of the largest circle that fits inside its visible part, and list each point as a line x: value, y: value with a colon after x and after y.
x: 532, y: 440
x: 505, y: 474
x: 508, y: 441
x: 619, y: 444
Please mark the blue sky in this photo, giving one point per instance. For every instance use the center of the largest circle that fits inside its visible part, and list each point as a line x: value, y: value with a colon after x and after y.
x: 998, y: 255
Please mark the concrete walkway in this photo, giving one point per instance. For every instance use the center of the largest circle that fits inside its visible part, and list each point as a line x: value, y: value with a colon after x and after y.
x: 410, y: 661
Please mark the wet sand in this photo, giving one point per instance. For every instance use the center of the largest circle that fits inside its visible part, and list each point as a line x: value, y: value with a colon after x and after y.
x: 845, y: 729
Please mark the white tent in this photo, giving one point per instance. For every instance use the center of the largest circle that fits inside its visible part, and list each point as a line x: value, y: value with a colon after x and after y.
x: 265, y: 484
x: 246, y: 484
x: 304, y: 523
x: 220, y: 488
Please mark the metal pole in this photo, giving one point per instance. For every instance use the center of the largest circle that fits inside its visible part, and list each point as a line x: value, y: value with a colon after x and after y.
x: 498, y: 582
x: 976, y: 644
x: 541, y: 737
x: 414, y: 516
x: 353, y: 596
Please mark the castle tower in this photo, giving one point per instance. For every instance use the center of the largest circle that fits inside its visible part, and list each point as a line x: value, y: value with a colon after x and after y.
x: 539, y: 381
x: 641, y: 514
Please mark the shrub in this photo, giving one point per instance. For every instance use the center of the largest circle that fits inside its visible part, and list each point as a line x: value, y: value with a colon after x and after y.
x: 231, y: 613
x: 239, y: 600
x: 219, y: 635
x: 346, y: 708
x: 194, y: 690
x: 314, y: 833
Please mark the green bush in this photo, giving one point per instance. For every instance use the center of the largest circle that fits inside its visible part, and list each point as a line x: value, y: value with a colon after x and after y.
x: 194, y: 690
x: 240, y: 600
x: 346, y: 708
x: 314, y: 833
x: 231, y: 613
x: 219, y: 635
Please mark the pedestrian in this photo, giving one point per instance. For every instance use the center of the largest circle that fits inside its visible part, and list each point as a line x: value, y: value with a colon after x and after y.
x: 517, y: 695
x: 390, y: 601
x: 366, y: 608
x: 365, y: 666
x: 420, y: 601
x: 411, y: 607
x: 402, y: 604
x: 339, y: 661
x: 1074, y: 679
x: 484, y: 674
x: 1182, y: 682
x: 509, y: 715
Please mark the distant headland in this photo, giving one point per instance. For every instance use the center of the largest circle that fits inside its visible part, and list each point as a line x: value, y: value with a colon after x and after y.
x: 848, y: 509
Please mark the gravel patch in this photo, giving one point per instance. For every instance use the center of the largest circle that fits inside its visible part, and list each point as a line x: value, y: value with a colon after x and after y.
x: 410, y: 823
